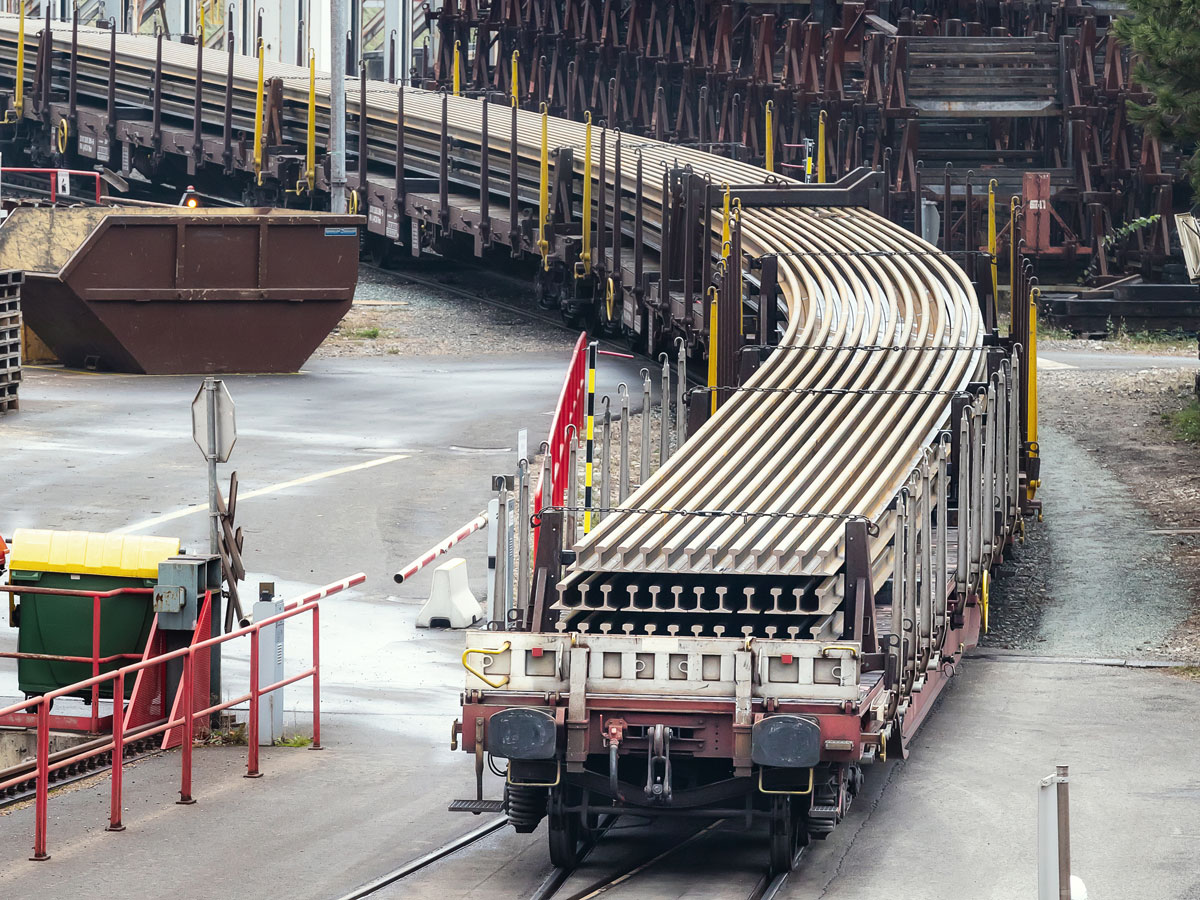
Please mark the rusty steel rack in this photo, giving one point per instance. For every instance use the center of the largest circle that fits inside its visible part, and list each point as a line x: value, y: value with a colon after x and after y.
x: 10, y: 339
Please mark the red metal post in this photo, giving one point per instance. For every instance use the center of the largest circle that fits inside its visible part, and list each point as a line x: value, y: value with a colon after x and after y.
x: 252, y: 726
x: 53, y: 186
x: 316, y: 676
x: 43, y: 782
x: 96, y: 664
x: 118, y: 754
x: 189, y: 689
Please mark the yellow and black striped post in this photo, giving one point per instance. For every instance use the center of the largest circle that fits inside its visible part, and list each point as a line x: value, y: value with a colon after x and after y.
x: 591, y: 438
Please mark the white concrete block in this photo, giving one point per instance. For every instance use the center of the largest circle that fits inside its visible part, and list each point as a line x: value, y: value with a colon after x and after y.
x: 450, y: 600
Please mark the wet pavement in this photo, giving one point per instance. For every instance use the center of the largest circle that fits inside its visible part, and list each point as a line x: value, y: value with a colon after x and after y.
x: 362, y: 464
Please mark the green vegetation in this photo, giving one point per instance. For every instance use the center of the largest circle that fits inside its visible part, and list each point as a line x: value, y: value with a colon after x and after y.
x: 235, y: 736
x: 1166, y: 40
x: 1191, y: 673
x: 366, y: 333
x: 1185, y: 422
x: 295, y: 740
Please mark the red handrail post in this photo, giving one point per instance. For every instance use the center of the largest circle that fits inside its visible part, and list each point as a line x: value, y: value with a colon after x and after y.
x: 96, y: 664
x: 118, y: 754
x: 252, y: 726
x: 43, y: 782
x: 53, y: 187
x: 188, y: 688
x: 316, y: 676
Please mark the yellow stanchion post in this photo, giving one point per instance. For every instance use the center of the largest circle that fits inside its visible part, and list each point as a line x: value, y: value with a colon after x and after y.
x: 821, y: 147
x: 585, y: 255
x: 516, y: 79
x: 19, y: 98
x: 769, y: 137
x: 1031, y: 386
x: 258, y: 117
x: 992, y: 244
x: 544, y: 191
x: 712, y: 350
x: 310, y: 149
x: 457, y: 68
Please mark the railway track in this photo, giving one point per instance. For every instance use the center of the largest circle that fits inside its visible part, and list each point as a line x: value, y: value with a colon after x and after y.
x: 95, y: 765
x: 610, y: 879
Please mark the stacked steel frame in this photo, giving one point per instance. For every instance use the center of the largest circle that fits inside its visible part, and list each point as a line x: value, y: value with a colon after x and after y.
x: 886, y: 80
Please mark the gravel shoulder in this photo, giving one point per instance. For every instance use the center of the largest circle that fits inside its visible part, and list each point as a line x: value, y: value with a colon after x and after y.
x: 394, y: 316
x: 1112, y: 571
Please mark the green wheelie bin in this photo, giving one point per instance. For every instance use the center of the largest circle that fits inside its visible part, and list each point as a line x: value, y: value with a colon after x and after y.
x: 61, y: 625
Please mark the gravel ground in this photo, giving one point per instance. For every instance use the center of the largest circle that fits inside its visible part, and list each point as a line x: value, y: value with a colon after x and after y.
x: 392, y: 317
x: 1104, y: 574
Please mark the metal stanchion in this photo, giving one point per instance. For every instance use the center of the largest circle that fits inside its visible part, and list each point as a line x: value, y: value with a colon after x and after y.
x: 644, y: 467
x: 680, y: 391
x: 664, y: 432
x: 605, y: 452
x: 623, y: 475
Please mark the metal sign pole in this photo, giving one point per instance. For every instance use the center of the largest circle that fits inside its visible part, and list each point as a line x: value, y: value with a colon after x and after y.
x: 210, y: 396
x: 337, y: 107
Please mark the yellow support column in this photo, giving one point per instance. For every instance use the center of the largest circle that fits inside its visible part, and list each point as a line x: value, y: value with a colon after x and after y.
x: 19, y: 99
x: 1031, y: 387
x: 585, y: 255
x: 712, y: 350
x: 310, y: 149
x: 821, y: 147
x: 992, y: 244
x: 516, y: 79
x: 769, y: 137
x: 544, y: 191
x: 258, y: 118
x: 457, y: 68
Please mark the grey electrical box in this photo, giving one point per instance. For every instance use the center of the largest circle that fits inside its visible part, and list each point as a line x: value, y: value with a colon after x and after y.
x: 179, y: 594
x: 270, y: 671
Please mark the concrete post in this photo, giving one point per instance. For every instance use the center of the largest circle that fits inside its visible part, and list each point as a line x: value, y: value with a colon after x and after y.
x: 337, y: 107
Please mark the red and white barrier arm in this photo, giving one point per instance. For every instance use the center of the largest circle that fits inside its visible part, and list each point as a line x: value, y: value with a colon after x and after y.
x: 438, y: 549
x: 321, y: 593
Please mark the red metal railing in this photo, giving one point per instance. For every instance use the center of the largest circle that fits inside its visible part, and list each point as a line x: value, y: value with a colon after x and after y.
x: 53, y: 174
x: 23, y: 720
x: 185, y: 719
x: 568, y: 412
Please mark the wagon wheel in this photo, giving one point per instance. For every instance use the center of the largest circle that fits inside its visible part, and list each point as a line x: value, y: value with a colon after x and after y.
x: 787, y: 834
x: 563, y: 831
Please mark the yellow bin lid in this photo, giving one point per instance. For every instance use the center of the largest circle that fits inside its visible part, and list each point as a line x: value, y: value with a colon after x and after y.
x: 89, y: 553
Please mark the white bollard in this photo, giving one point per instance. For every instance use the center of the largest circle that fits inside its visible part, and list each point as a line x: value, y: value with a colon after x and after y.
x: 451, y: 603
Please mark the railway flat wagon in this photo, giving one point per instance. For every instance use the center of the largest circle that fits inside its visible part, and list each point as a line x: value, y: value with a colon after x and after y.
x: 778, y: 605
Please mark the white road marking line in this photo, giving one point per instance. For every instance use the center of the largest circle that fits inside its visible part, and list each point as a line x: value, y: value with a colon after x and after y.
x: 1051, y: 364
x: 259, y: 492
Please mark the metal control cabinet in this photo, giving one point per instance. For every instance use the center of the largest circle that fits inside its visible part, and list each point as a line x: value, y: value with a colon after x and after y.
x: 179, y: 594
x: 270, y: 671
